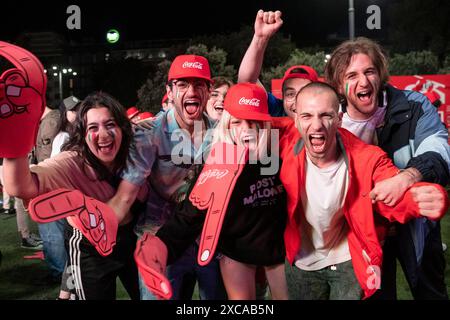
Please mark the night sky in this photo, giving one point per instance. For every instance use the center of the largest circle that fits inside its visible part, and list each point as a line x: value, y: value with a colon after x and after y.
x: 308, y: 22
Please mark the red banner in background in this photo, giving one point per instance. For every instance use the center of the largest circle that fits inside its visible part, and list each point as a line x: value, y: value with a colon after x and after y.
x: 276, y: 88
x: 439, y: 84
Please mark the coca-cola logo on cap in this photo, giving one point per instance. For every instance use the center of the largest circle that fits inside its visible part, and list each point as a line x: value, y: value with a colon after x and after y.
x: 249, y: 102
x: 195, y: 65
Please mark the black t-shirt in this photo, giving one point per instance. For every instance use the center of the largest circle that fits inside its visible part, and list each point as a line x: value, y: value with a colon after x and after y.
x: 253, y: 227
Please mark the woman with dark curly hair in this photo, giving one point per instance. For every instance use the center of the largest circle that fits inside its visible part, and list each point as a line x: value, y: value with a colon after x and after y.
x: 93, y: 158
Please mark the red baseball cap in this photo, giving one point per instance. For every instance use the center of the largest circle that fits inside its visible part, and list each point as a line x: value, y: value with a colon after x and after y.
x: 131, y: 112
x: 301, y: 71
x: 247, y: 101
x: 190, y: 66
x: 145, y: 115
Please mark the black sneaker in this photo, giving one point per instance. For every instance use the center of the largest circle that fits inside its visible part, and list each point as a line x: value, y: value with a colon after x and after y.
x: 9, y: 211
x: 30, y: 243
x: 36, y: 238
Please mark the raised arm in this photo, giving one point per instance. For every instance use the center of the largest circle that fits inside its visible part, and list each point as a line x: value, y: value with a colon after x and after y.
x: 266, y: 25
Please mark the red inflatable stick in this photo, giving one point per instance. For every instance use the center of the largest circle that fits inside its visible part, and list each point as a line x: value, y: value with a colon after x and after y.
x: 96, y: 220
x: 156, y: 282
x: 213, y: 190
x: 22, y: 101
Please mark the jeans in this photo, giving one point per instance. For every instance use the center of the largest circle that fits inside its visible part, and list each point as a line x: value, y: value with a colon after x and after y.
x: 337, y: 282
x: 52, y: 235
x: 144, y: 293
x: 186, y: 271
x: 183, y: 275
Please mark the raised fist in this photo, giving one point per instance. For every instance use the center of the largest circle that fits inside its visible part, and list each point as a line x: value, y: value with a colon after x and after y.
x: 267, y: 23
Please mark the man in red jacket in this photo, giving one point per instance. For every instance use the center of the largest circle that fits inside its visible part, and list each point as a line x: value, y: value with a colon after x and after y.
x: 332, y: 236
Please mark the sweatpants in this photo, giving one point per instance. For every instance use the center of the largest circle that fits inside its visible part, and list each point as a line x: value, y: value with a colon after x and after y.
x: 93, y: 276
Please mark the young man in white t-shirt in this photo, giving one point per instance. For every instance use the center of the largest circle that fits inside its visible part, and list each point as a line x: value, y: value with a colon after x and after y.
x: 332, y: 238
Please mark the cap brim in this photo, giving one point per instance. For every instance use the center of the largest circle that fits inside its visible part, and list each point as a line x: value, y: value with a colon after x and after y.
x: 73, y: 107
x: 133, y: 114
x: 250, y: 115
x: 190, y: 76
x: 299, y: 76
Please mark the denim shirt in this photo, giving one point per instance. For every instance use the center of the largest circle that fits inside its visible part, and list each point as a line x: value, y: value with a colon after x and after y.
x: 162, y: 156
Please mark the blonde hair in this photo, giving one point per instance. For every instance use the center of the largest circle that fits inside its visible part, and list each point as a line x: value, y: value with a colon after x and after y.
x: 222, y: 133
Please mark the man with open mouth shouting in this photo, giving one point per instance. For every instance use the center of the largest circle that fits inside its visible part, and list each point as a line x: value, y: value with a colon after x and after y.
x: 236, y: 192
x: 157, y: 163
x: 408, y: 127
x: 333, y: 235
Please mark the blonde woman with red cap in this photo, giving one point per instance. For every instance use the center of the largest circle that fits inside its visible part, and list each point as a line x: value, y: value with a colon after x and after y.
x: 251, y: 232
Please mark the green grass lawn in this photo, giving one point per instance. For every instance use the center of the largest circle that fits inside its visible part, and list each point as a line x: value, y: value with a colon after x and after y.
x: 26, y: 279
x: 21, y: 278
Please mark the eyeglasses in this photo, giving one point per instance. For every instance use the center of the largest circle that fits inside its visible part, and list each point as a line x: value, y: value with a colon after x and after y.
x: 289, y: 95
x: 183, y: 85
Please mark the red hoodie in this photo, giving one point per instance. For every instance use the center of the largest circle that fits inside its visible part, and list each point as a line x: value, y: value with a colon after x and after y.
x: 367, y: 165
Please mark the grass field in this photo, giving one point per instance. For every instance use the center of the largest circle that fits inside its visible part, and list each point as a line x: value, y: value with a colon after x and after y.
x: 26, y: 279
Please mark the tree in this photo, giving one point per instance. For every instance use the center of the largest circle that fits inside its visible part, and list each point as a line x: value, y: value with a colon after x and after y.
x: 151, y: 92
x: 236, y: 43
x: 154, y: 88
x: 446, y: 66
x: 415, y: 62
x: 217, y: 59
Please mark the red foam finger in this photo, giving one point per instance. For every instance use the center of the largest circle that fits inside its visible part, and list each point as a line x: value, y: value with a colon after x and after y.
x: 22, y: 101
x: 96, y: 220
x: 213, y: 190
x: 155, y: 281
x: 56, y: 205
x: 99, y: 224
